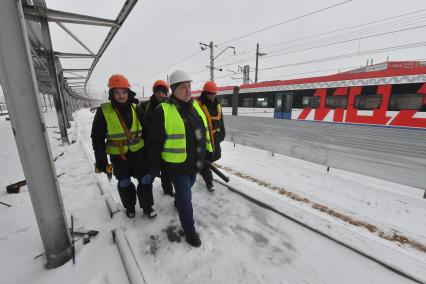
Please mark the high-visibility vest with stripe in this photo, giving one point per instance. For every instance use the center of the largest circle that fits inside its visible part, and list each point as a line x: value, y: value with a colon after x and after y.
x: 213, y: 121
x: 174, y: 149
x: 117, y: 141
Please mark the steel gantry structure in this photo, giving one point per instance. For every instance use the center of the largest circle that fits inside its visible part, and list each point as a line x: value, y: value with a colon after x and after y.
x: 29, y: 67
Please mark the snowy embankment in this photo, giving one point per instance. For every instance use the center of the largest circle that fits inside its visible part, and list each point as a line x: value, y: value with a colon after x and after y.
x: 242, y: 242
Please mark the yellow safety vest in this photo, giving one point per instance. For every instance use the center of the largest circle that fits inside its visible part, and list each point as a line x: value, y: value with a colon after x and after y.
x: 210, y: 119
x: 174, y: 149
x: 118, y: 142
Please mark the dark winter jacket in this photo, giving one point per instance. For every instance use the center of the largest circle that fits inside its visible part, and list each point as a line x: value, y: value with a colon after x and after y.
x: 147, y: 108
x: 219, y: 136
x: 99, y: 131
x: 157, y: 136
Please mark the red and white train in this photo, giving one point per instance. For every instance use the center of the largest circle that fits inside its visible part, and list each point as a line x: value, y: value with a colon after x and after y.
x: 387, y: 94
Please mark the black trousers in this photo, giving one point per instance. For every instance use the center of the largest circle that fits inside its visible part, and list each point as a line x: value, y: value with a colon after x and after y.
x: 166, y: 183
x: 133, y: 166
x: 207, y: 175
x: 143, y: 193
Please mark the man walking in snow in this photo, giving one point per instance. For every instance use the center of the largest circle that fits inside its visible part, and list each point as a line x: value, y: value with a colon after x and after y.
x: 160, y: 91
x: 117, y: 131
x: 177, y: 144
x: 213, y: 112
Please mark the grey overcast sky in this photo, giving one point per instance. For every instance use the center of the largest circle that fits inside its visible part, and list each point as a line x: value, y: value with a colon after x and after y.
x: 159, y: 33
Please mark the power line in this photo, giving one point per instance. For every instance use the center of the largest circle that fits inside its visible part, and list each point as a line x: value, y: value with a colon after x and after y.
x: 346, y: 41
x: 363, y: 29
x: 348, y: 55
x: 362, y: 34
x: 324, y: 45
x: 286, y: 22
x: 174, y: 64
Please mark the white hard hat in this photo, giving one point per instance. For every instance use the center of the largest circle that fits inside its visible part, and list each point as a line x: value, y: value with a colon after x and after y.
x: 179, y: 76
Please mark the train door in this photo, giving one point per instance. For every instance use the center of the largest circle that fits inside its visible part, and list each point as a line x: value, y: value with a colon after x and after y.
x: 283, y: 102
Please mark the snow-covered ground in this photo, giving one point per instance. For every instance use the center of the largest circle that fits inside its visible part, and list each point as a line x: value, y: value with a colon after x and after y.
x: 248, y: 111
x: 242, y: 242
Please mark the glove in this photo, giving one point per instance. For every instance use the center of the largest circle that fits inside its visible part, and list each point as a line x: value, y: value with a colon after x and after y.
x: 100, y: 168
x: 146, y: 179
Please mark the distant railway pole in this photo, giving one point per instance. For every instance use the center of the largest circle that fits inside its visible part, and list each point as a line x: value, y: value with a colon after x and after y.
x: 211, y: 46
x: 257, y: 62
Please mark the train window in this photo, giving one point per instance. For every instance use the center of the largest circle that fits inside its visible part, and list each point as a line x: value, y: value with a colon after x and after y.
x: 311, y: 102
x: 336, y: 102
x: 368, y: 102
x: 247, y: 102
x: 261, y: 102
x: 406, y: 101
x: 224, y: 102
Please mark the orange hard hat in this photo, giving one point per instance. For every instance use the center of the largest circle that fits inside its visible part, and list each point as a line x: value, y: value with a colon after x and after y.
x: 160, y: 83
x: 210, y: 87
x: 118, y: 81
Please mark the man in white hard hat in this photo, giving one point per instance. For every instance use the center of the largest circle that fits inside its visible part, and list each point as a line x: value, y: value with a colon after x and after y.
x: 178, y: 142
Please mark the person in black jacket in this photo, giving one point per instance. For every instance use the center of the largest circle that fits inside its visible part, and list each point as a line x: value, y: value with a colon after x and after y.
x: 160, y: 91
x: 213, y: 111
x: 177, y: 144
x: 117, y: 131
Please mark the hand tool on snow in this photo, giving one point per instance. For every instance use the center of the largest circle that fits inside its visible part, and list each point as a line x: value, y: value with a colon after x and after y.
x: 15, y: 187
x: 5, y: 204
x: 216, y: 171
x: 85, y: 234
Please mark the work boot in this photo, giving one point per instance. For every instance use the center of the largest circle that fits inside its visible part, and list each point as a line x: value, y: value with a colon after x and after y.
x: 150, y: 213
x: 193, y: 239
x: 130, y: 212
x: 210, y: 186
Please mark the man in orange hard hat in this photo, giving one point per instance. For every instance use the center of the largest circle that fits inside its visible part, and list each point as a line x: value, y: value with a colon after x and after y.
x: 213, y: 111
x: 160, y: 91
x: 117, y: 131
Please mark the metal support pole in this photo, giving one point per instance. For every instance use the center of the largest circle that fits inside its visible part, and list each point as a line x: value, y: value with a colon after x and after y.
x: 68, y: 104
x: 257, y: 63
x: 21, y: 93
x: 50, y: 102
x: 45, y: 104
x: 211, y: 46
x: 235, y: 100
x: 64, y: 94
x: 47, y: 42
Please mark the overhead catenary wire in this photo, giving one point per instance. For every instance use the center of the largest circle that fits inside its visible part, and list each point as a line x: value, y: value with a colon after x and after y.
x: 324, y: 40
x: 174, y: 64
x: 247, y: 35
x: 363, y: 25
x: 365, y: 30
x: 348, y: 55
x: 323, y: 45
x: 285, y: 22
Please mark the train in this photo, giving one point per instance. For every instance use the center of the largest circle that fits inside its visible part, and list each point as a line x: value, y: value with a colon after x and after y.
x: 391, y: 94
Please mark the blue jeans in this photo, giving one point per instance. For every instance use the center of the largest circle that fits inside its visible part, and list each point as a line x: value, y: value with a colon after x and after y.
x: 183, y: 184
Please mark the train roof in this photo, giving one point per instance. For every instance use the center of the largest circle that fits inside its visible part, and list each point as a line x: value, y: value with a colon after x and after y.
x: 394, y: 72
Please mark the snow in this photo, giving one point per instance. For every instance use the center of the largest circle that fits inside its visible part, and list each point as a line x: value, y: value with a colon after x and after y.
x: 242, y: 242
x: 248, y: 111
